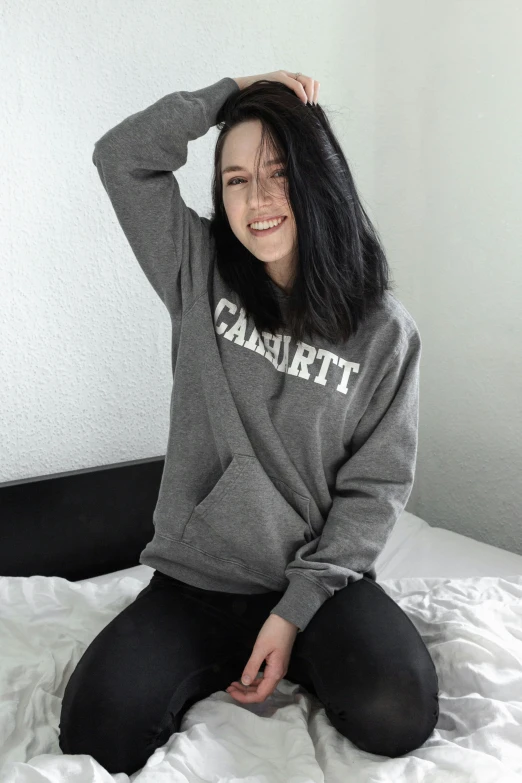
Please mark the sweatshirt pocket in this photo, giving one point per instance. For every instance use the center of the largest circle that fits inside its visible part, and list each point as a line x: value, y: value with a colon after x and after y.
x: 252, y: 519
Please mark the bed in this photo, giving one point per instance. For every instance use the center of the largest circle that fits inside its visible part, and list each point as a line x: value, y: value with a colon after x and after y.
x: 70, y: 562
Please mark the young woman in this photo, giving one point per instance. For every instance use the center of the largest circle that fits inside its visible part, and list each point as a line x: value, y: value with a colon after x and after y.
x: 293, y: 435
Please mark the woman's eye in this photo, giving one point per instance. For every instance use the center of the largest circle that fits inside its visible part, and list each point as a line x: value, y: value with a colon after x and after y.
x: 240, y: 179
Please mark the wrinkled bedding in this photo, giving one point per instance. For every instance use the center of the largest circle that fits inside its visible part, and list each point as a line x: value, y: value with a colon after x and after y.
x: 471, y: 626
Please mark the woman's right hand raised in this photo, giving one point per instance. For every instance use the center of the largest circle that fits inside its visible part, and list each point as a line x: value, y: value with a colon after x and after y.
x: 306, y: 88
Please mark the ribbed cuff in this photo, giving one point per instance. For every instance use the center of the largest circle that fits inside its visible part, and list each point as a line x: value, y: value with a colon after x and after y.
x: 214, y: 95
x: 300, y: 601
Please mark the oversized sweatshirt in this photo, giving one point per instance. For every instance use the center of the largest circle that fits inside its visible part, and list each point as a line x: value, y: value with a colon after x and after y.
x: 287, y: 464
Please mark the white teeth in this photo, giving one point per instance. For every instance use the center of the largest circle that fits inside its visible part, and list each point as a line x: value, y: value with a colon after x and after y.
x: 266, y: 224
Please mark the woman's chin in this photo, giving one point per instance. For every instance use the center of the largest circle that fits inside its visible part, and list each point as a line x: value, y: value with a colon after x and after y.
x: 268, y: 256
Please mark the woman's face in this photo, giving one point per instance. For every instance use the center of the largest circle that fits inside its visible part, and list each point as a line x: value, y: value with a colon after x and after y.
x: 246, y: 200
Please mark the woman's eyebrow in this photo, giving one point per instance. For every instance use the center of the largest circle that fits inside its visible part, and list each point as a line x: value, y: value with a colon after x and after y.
x: 240, y: 168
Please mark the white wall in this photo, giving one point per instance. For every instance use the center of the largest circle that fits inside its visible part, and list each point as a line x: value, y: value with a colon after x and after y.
x: 425, y: 100
x: 448, y: 196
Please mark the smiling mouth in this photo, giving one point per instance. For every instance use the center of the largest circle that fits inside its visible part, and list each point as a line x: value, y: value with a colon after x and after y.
x: 266, y: 231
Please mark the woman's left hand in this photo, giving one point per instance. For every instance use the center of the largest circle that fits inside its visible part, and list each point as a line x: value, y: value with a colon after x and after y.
x: 274, y: 643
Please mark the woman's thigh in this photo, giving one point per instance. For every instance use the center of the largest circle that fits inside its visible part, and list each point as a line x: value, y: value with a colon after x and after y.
x: 130, y: 689
x: 371, y: 669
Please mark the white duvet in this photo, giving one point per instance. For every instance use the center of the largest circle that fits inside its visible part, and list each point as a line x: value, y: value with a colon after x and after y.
x: 472, y: 627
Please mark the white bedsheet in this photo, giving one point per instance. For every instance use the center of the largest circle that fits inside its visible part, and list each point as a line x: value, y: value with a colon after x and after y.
x: 472, y: 627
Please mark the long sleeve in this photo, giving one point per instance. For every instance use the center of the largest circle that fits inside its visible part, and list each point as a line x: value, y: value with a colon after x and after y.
x: 135, y: 161
x: 371, y: 491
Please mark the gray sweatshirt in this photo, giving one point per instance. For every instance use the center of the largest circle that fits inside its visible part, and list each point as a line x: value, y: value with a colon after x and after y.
x: 287, y: 464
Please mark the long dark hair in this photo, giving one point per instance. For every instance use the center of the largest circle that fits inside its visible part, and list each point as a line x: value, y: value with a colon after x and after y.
x: 342, y: 272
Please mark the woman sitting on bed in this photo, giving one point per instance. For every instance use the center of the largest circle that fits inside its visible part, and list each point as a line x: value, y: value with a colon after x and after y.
x: 292, y: 442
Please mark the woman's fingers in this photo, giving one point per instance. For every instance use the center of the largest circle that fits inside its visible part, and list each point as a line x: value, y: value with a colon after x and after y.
x: 306, y: 88
x: 309, y: 87
x: 239, y: 692
x: 257, y: 692
x: 247, y: 696
x: 303, y: 82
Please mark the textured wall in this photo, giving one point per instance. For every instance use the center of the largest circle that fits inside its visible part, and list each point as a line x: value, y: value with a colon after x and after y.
x: 424, y: 99
x: 448, y: 188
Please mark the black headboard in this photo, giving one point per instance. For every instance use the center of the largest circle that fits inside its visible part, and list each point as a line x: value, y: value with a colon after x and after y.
x: 79, y: 524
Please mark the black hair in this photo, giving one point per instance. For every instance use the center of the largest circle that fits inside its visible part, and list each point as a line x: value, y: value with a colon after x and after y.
x: 342, y: 273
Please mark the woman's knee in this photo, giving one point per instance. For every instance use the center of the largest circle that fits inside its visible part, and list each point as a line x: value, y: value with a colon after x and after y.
x: 390, y: 722
x: 104, y: 712
x: 116, y: 733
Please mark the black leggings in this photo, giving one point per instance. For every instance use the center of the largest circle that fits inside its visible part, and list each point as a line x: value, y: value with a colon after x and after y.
x: 175, y: 644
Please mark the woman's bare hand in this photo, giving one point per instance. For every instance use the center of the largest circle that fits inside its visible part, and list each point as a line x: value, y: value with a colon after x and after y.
x: 274, y: 645
x: 304, y: 86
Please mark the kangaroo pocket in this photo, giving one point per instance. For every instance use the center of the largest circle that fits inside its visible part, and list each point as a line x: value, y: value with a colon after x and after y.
x: 252, y: 519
